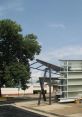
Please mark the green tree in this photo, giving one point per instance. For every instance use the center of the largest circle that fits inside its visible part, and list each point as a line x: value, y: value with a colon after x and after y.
x: 15, y: 48
x: 16, y: 74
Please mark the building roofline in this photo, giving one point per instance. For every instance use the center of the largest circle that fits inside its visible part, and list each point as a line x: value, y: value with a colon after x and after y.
x: 70, y: 59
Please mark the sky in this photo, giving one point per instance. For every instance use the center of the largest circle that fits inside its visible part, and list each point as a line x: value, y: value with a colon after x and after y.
x: 57, y: 24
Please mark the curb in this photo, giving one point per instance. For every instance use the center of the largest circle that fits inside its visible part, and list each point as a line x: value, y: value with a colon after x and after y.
x: 53, y: 114
x: 34, y: 111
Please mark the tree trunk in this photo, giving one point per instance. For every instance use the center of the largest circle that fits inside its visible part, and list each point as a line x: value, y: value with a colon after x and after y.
x: 0, y: 88
x: 0, y: 92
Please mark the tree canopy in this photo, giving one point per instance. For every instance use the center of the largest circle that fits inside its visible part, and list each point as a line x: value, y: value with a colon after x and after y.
x: 16, y: 51
x: 16, y: 74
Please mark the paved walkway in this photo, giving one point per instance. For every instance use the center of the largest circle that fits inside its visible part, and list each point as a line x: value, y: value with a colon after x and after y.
x: 54, y: 110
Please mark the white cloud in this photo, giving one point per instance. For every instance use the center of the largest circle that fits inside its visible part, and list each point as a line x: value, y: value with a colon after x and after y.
x: 15, y: 5
x: 52, y: 56
x: 35, y: 75
x: 68, y: 52
x: 57, y: 26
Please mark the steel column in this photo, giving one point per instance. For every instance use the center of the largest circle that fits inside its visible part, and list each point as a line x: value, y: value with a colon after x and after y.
x: 49, y: 86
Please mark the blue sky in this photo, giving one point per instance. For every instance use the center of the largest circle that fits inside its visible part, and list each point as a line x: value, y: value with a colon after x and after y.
x: 57, y: 23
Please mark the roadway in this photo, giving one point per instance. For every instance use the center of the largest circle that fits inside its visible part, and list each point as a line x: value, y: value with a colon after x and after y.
x: 11, y: 111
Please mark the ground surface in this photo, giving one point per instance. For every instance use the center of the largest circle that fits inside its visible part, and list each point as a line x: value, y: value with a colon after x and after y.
x: 29, y: 103
x: 10, y: 111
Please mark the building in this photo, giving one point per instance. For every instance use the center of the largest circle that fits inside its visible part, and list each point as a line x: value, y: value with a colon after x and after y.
x: 32, y: 89
x: 71, y: 79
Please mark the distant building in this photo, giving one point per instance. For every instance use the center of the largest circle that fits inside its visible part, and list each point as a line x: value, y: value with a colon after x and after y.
x: 32, y: 89
x: 71, y: 79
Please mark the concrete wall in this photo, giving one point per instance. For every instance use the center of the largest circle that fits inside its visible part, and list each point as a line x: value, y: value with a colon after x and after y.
x: 16, y: 91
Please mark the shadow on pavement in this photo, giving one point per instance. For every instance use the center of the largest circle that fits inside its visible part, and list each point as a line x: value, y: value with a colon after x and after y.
x: 10, y: 111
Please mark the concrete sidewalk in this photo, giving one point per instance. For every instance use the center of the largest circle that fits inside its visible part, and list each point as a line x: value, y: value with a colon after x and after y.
x: 54, y: 110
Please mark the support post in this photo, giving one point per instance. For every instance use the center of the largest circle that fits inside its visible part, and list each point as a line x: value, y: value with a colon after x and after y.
x: 39, y: 99
x: 49, y: 86
x: 0, y: 92
x: 42, y: 88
